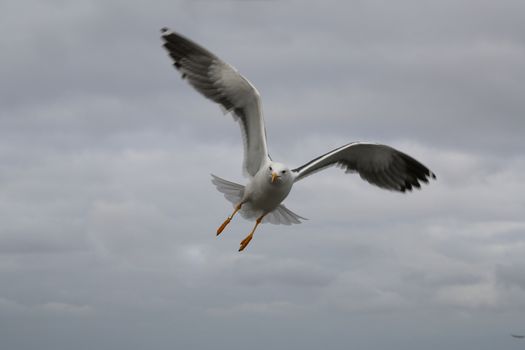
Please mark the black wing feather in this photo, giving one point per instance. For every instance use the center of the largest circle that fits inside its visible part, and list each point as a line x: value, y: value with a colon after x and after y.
x: 380, y: 165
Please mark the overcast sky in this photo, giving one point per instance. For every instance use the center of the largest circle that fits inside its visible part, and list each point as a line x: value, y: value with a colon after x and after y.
x: 108, y: 216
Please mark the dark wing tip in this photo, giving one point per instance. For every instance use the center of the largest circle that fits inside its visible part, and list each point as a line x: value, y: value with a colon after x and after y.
x: 418, y: 170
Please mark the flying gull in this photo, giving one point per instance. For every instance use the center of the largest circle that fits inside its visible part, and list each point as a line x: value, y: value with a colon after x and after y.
x: 270, y: 182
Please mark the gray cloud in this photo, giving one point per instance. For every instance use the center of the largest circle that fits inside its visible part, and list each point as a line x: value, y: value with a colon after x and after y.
x: 108, y: 216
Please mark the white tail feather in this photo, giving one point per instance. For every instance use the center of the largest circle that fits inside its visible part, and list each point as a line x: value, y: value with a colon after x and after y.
x: 234, y: 192
x: 283, y: 216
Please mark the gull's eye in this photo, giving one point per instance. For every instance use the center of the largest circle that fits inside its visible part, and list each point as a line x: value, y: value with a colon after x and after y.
x: 271, y: 169
x: 282, y: 172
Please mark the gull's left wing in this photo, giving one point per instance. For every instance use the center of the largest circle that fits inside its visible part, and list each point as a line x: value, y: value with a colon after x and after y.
x: 221, y: 83
x: 380, y: 165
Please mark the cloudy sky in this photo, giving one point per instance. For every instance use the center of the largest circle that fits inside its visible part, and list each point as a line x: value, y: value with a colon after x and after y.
x: 108, y: 216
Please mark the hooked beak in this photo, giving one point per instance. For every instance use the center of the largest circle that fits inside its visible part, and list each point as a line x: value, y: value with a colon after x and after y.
x: 274, y: 176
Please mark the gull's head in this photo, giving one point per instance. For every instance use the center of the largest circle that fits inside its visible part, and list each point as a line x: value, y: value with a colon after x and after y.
x: 278, y: 173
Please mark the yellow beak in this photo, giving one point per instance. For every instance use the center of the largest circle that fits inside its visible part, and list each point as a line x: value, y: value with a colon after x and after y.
x: 274, y: 176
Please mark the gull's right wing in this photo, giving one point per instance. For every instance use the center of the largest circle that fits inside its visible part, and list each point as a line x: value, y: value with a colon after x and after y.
x: 221, y: 83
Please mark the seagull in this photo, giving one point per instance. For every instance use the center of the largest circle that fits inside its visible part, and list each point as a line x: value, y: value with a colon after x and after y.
x: 270, y: 182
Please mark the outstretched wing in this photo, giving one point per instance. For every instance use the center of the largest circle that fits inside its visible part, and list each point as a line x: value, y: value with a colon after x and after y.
x: 380, y: 165
x: 221, y: 83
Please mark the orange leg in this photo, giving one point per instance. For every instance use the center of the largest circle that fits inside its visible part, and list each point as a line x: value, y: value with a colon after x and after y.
x: 227, y: 221
x: 248, y: 238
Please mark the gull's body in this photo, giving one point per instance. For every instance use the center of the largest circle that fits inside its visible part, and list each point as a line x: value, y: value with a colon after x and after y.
x: 269, y: 182
x: 267, y: 195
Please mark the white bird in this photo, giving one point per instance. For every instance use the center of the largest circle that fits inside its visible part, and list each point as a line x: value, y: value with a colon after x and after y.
x: 269, y: 182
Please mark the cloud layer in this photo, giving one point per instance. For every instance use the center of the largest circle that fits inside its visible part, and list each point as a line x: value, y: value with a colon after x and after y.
x: 108, y: 216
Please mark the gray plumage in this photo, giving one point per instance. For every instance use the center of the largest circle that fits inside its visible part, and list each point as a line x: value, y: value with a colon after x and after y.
x: 270, y: 182
x: 380, y: 165
x: 221, y: 83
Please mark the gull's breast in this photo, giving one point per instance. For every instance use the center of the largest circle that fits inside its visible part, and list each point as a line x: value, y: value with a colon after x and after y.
x: 266, y: 196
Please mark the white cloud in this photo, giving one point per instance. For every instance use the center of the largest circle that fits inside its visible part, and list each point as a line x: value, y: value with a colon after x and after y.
x: 469, y: 296
x: 107, y: 210
x: 65, y: 308
x: 281, y: 308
